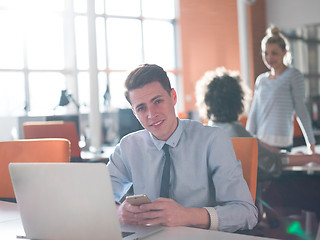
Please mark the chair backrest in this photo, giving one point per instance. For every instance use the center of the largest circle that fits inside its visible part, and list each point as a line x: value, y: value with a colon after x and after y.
x: 297, y: 132
x: 243, y: 120
x: 54, y: 129
x: 31, y: 150
x: 246, y: 150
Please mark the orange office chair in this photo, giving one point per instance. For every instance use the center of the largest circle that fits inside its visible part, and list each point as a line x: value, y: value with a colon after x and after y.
x: 60, y: 129
x: 246, y: 150
x: 243, y: 120
x: 33, y: 150
x: 297, y: 132
x: 55, y: 129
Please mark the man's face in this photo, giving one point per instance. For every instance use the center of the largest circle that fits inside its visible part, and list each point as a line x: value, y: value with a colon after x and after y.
x: 154, y: 108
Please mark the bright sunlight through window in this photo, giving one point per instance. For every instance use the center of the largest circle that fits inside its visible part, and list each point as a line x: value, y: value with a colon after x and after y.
x: 46, y: 46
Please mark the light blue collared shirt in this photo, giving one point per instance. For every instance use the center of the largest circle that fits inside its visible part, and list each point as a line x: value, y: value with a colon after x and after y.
x: 204, y: 172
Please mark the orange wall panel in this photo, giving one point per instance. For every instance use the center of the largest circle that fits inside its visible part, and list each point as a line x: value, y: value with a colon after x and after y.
x: 209, y: 39
x: 209, y: 34
x: 257, y: 24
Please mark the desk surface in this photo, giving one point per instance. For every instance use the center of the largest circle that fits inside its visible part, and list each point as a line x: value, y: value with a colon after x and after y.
x: 9, y: 211
x: 107, y: 150
x: 309, y: 168
x: 10, y: 222
x: 304, y: 149
x: 188, y: 233
x: 11, y: 226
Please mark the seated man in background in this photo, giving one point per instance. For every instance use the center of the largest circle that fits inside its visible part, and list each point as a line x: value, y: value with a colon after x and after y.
x: 220, y: 99
x: 206, y: 186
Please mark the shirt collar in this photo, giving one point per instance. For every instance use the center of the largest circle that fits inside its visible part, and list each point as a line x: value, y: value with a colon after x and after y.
x: 173, y: 139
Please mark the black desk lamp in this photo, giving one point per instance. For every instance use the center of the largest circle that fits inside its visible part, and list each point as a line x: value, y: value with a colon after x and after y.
x: 65, y: 99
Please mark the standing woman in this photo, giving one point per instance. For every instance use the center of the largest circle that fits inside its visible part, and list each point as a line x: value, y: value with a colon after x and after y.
x: 279, y: 94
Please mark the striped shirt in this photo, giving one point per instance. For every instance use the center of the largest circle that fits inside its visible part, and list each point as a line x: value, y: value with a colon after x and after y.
x: 274, y: 105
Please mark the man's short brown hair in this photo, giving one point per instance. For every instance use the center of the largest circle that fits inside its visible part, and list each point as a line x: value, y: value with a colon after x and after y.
x: 145, y: 74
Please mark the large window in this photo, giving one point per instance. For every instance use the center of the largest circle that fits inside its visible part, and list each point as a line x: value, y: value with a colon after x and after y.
x: 50, y: 45
x: 305, y: 49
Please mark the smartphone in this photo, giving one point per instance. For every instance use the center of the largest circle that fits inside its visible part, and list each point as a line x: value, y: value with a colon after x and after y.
x: 137, y: 200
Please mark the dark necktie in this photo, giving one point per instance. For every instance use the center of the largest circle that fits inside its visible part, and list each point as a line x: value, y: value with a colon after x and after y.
x: 165, y: 181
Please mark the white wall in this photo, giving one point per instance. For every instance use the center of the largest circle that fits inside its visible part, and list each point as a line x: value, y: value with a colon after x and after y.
x: 290, y: 14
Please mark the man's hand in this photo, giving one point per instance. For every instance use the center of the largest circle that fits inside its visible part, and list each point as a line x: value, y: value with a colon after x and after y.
x: 163, y: 211
x: 129, y: 214
x: 169, y: 213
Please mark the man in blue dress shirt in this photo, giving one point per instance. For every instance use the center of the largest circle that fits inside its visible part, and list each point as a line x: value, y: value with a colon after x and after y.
x: 207, y: 188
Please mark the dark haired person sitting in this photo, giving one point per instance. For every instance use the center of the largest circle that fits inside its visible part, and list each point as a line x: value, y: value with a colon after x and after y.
x: 221, y: 96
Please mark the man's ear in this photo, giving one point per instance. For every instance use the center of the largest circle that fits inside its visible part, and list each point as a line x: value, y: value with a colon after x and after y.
x: 174, y: 96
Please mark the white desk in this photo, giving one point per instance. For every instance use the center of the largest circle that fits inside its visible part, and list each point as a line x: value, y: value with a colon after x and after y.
x: 309, y: 168
x: 107, y: 150
x: 9, y: 211
x: 11, y: 226
x: 187, y: 233
x: 10, y: 222
x: 304, y: 149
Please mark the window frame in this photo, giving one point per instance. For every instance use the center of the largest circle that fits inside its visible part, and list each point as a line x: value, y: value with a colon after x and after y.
x: 71, y: 71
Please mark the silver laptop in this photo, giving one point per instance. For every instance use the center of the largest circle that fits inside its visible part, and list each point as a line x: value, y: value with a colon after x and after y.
x: 69, y: 201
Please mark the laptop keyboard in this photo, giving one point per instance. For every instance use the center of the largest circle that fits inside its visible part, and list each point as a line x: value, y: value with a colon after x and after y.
x: 126, y: 234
